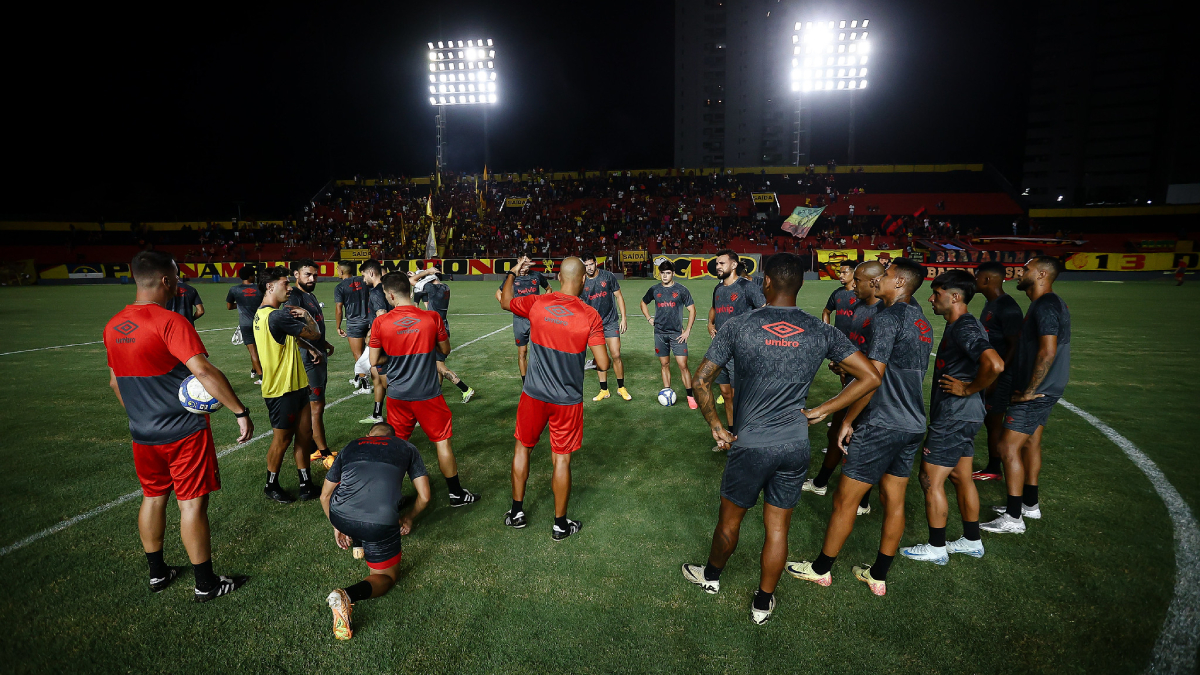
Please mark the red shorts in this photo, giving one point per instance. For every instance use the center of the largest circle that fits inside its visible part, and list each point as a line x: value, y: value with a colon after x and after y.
x: 187, y: 466
x: 433, y: 414
x: 566, y: 424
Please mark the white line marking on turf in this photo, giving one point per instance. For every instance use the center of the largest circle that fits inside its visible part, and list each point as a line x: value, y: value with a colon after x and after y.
x: 81, y: 344
x: 59, y: 527
x: 1175, y: 649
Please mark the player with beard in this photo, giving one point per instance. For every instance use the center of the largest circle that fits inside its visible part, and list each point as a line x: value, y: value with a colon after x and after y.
x: 602, y: 291
x: 429, y: 288
x: 840, y: 306
x: 377, y: 306
x: 966, y: 366
x: 670, y: 337
x: 305, y: 274
x: 528, y: 283
x: 350, y: 299
x: 882, y: 431
x: 1002, y: 318
x: 1042, y: 370
x: 245, y: 298
x: 733, y: 295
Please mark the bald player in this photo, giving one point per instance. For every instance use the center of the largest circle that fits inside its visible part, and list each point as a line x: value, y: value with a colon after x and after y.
x: 1002, y: 319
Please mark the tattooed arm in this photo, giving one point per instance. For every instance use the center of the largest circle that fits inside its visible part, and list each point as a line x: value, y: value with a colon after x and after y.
x: 702, y: 389
x: 1047, y: 350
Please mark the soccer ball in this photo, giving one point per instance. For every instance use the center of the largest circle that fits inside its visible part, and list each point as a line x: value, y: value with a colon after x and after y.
x: 666, y: 397
x: 195, y: 398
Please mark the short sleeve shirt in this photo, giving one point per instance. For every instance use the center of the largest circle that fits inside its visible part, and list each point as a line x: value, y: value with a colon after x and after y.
x: 860, y: 324
x: 353, y: 293
x: 562, y: 329
x: 598, y: 293
x: 185, y: 301
x: 1048, y: 315
x: 669, y: 303
x: 369, y: 473
x: 377, y: 301
x: 437, y: 295
x: 247, y: 297
x: 1001, y: 317
x: 309, y: 303
x: 409, y: 336
x: 963, y: 342
x: 841, y: 304
x: 526, y: 285
x: 735, y: 299
x: 902, y: 339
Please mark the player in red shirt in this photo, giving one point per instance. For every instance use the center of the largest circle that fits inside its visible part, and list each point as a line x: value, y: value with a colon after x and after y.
x: 151, y: 351
x: 403, y: 344
x: 563, y: 328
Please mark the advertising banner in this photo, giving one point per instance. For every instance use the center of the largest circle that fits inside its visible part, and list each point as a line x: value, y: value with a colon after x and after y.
x: 355, y: 254
x: 705, y: 266
x: 516, y: 202
x: 633, y: 256
x: 884, y: 256
x: 764, y: 198
x: 1130, y: 262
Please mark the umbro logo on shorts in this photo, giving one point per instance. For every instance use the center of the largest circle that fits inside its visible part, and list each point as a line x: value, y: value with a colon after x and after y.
x: 406, y: 322
x: 559, y: 311
x: 125, y: 327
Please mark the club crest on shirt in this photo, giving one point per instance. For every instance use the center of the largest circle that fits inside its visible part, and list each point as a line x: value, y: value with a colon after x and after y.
x: 733, y: 297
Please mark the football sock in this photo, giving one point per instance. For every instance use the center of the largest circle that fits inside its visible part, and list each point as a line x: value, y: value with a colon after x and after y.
x: 304, y: 475
x: 205, y: 579
x: 453, y: 486
x: 712, y: 573
x: 620, y: 383
x: 823, y: 563
x: 1014, y: 506
x: 971, y: 530
x: 604, y: 386
x: 689, y: 392
x: 866, y: 500
x: 272, y: 478
x: 937, y: 536
x: 561, y: 523
x: 762, y: 599
x: 1031, y: 495
x: 823, y: 476
x: 883, y: 563
x: 378, y: 409
x: 158, y: 568
x: 462, y: 386
x: 995, y: 464
x: 324, y: 451
x: 518, y: 506
x: 359, y: 591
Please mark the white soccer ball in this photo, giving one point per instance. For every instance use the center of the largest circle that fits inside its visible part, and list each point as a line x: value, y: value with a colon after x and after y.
x: 195, y: 398
x: 666, y: 397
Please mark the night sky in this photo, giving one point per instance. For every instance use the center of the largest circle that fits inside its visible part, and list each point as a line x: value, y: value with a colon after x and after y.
x: 127, y: 115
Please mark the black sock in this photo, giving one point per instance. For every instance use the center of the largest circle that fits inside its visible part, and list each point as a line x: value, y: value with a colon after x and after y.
x: 1030, y: 497
x: 689, y: 391
x: 158, y: 568
x: 866, y: 500
x: 762, y: 599
x: 518, y: 506
x: 324, y: 451
x: 994, y: 465
x: 604, y: 386
x: 823, y: 563
x: 205, y: 579
x: 453, y: 486
x: 1014, y: 506
x: 272, y: 478
x: 304, y: 476
x: 937, y: 536
x: 823, y: 476
x: 359, y: 591
x: 560, y: 522
x: 378, y: 409
x: 462, y: 386
x: 620, y: 383
x: 712, y: 573
x: 883, y: 563
x: 971, y: 530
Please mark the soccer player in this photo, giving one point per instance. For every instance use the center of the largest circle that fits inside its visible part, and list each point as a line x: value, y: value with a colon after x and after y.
x: 769, y: 452
x: 245, y: 298
x: 187, y: 302
x: 1042, y: 370
x: 562, y: 329
x: 437, y: 298
x: 966, y: 366
x: 361, y: 497
x: 302, y: 296
x: 880, y: 447
x: 377, y: 306
x: 1002, y: 318
x: 840, y: 306
x: 733, y: 295
x: 151, y: 351
x: 602, y: 291
x: 403, y: 343
x: 527, y: 283
x: 350, y: 300
x: 669, y: 339
x: 280, y: 332
x: 1180, y: 271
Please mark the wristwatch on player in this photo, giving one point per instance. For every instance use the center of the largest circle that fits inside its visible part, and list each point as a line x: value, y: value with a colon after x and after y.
x: 245, y: 413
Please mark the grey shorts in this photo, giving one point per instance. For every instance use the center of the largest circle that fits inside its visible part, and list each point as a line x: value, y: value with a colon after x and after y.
x: 997, y: 401
x: 612, y: 330
x: 318, y: 377
x: 665, y: 345
x: 949, y: 441
x: 874, y: 451
x: 521, y: 330
x: 247, y: 333
x: 358, y: 328
x: 725, y: 376
x: 1025, y: 418
x: 777, y: 471
x: 284, y: 411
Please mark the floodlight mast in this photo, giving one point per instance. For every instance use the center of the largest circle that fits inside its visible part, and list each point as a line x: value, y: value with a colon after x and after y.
x: 828, y: 56
x: 461, y: 72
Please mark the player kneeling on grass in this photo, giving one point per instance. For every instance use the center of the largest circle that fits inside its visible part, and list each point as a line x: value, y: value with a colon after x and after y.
x: 361, y: 498
x: 966, y: 366
x: 779, y: 349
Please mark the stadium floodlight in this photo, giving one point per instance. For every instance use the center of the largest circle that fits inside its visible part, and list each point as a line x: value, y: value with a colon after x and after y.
x: 830, y: 55
x: 462, y: 72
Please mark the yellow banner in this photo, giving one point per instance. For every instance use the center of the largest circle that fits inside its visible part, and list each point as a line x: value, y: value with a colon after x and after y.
x: 516, y: 202
x: 355, y: 254
x: 837, y: 255
x: 883, y: 255
x: 1130, y: 262
x: 633, y: 256
x: 764, y: 197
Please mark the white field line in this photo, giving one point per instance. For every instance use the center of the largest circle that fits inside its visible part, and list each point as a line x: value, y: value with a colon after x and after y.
x: 81, y: 344
x: 59, y: 527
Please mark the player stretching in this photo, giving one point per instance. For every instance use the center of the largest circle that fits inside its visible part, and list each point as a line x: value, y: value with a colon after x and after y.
x: 881, y: 447
x: 187, y: 302
x: 245, y: 298
x: 770, y: 452
x: 280, y: 333
x: 668, y: 297
x: 966, y: 366
x: 377, y: 306
x: 361, y: 497
x: 1042, y: 369
x: 563, y: 328
x: 403, y: 343
x: 526, y: 283
x: 602, y: 291
x: 864, y: 284
x: 734, y: 295
x: 302, y: 296
x: 428, y: 287
x: 350, y: 299
x: 1001, y: 318
x: 151, y: 351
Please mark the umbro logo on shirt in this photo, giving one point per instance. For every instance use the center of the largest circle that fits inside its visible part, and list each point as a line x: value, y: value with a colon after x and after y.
x: 406, y: 322
x: 559, y: 311
x: 125, y: 327
x: 782, y: 330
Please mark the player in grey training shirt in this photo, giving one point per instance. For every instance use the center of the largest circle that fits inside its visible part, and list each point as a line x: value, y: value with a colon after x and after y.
x: 1039, y: 378
x: 377, y: 304
x: 839, y: 309
x: 246, y: 298
x: 883, y: 431
x: 966, y: 366
x: 187, y: 301
x: 602, y: 292
x: 670, y: 337
x: 305, y: 274
x: 350, y: 298
x: 530, y: 283
x: 437, y: 299
x: 733, y: 296
x: 779, y: 349
x: 1002, y: 319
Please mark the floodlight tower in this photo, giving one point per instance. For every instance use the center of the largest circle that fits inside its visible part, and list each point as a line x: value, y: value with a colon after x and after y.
x: 461, y: 72
x: 828, y: 56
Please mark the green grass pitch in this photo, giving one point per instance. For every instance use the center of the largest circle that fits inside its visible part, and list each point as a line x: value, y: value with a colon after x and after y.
x: 1085, y: 590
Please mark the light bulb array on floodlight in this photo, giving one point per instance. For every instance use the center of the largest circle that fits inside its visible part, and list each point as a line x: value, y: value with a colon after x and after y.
x: 462, y: 72
x: 830, y: 55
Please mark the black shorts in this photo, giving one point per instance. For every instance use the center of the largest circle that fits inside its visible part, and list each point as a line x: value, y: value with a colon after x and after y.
x: 284, y: 411
x: 874, y: 451
x: 247, y: 333
x: 521, y: 327
x: 777, y: 471
x: 949, y: 441
x: 318, y: 377
x: 725, y: 375
x: 358, y: 328
x: 1025, y: 418
x: 998, y: 400
x: 381, y: 543
x: 665, y: 345
x: 612, y: 329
